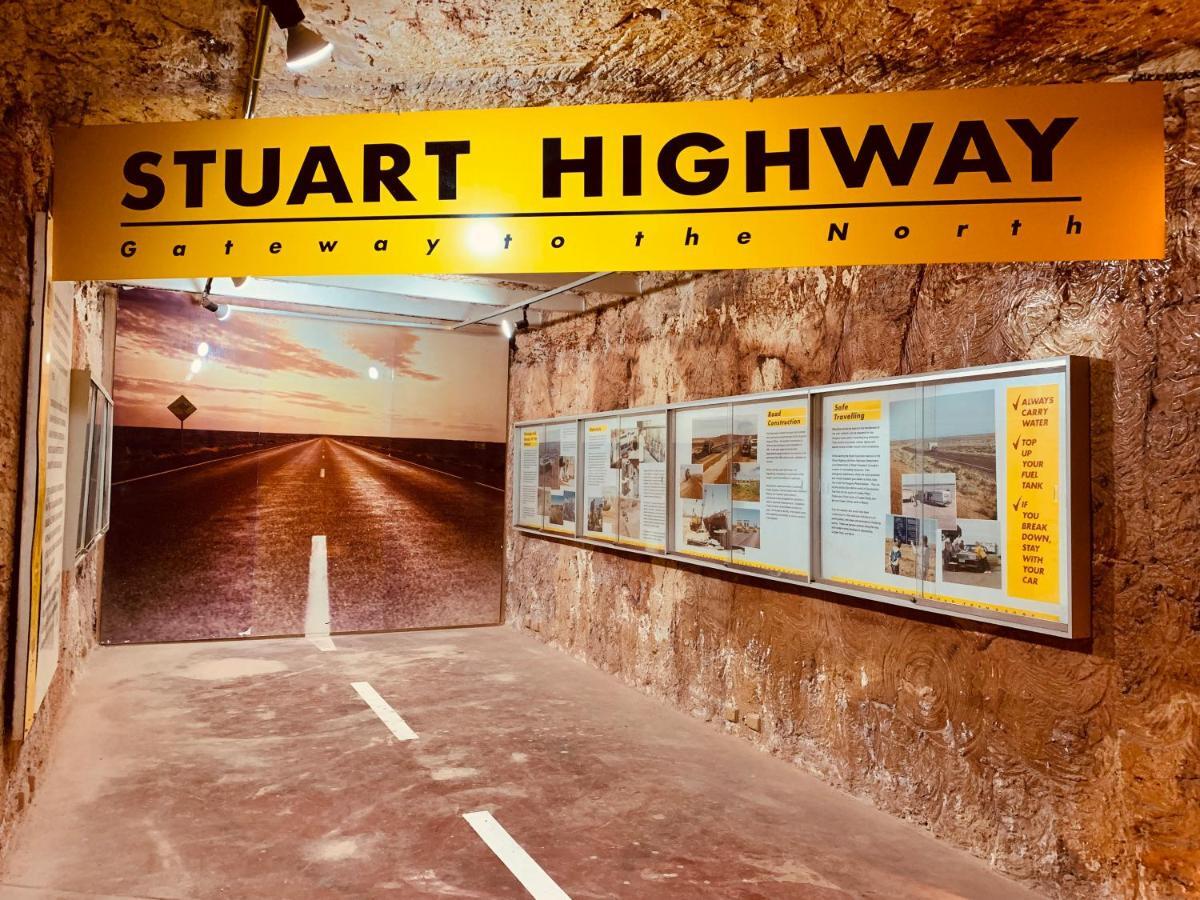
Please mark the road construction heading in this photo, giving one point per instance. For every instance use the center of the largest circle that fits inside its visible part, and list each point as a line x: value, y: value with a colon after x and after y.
x: 1003, y: 174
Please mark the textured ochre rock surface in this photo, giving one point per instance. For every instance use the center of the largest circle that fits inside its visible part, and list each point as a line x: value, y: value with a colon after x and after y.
x: 1074, y: 767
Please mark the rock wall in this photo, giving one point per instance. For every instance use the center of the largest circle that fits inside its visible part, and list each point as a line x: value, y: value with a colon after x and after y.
x: 67, y: 63
x: 1072, y: 765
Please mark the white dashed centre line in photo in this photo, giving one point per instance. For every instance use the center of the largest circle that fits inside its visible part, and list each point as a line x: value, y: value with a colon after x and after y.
x: 387, y: 715
x: 316, y: 612
x: 532, y: 876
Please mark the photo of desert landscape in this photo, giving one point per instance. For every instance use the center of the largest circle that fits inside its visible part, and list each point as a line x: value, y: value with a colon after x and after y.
x: 933, y: 495
x: 383, y: 447
x: 691, y: 482
x: 746, y: 481
x: 949, y: 434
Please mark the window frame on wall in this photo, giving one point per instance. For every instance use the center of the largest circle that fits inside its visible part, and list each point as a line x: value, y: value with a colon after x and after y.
x: 95, y: 489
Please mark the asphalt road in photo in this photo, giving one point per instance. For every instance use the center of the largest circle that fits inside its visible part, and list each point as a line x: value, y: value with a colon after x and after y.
x: 223, y: 549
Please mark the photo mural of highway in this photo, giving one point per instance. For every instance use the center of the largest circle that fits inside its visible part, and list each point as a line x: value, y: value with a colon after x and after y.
x: 326, y: 475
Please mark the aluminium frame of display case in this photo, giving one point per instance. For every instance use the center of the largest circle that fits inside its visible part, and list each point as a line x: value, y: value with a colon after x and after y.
x: 1074, y: 543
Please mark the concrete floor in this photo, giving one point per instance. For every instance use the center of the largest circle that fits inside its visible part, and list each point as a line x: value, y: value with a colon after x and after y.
x: 254, y: 769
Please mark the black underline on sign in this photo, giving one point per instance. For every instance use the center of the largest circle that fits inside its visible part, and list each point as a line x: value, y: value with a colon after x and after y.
x: 877, y: 204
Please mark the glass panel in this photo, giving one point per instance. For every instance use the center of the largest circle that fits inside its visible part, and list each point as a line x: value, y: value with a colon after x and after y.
x: 872, y: 533
x: 704, y: 526
x: 1001, y: 444
x: 99, y: 461
x: 531, y: 509
x: 83, y: 529
x: 601, y: 472
x: 770, y: 475
x: 557, y: 472
x: 642, y: 459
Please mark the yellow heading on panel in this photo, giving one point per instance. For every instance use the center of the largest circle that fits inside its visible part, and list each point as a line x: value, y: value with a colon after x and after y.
x: 1031, y: 173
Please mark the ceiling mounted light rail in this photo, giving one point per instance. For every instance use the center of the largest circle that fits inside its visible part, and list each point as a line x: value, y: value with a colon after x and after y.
x: 545, y: 295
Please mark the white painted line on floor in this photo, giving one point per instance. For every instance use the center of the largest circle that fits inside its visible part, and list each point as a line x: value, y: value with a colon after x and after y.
x: 532, y: 876
x: 316, y: 612
x: 387, y: 715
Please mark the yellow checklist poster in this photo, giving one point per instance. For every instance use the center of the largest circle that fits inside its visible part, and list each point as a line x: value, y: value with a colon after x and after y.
x: 1033, y: 533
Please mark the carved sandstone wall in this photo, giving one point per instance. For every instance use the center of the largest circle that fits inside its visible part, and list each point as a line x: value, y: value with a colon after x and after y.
x: 1076, y: 766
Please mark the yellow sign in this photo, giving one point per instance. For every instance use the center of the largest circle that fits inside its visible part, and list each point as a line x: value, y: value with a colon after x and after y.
x: 789, y: 417
x: 529, y: 438
x: 1033, y: 415
x: 857, y: 410
x: 1067, y: 172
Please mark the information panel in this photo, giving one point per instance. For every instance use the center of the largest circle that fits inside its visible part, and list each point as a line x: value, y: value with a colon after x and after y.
x: 959, y: 492
x: 769, y: 475
x: 601, y: 473
x: 640, y: 452
x: 704, y: 452
x: 872, y: 536
x: 530, y: 508
x: 556, y: 475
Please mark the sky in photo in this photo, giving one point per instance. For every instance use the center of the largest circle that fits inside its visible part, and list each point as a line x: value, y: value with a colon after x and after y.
x: 946, y: 414
x: 298, y: 375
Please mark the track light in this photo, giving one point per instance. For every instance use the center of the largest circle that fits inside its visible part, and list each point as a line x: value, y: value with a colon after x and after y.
x: 221, y: 310
x: 305, y: 47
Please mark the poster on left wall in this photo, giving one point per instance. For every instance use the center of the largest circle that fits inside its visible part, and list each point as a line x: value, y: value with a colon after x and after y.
x: 284, y: 475
x: 44, y: 487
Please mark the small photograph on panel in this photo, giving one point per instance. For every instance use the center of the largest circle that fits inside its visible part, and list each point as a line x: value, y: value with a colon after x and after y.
x: 706, y: 521
x: 691, y: 514
x: 747, y: 533
x: 609, y: 512
x: 653, y: 440
x: 555, y: 515
x: 908, y: 549
x: 745, y: 481
x: 631, y: 519
x: 543, y: 501
x: 691, y: 482
x: 629, y: 447
x: 952, y: 433
x: 600, y: 513
x: 930, y: 496
x: 568, y: 502
x: 971, y: 554
x: 745, y: 437
x: 548, y: 464
x: 630, y: 479
x: 566, y: 471
x: 711, y: 445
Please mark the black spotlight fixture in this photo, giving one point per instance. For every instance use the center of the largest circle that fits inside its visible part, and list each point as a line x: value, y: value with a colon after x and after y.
x: 305, y: 47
